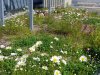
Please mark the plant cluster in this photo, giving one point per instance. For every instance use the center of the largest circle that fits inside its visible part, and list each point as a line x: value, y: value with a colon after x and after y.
x: 47, y: 55
x: 17, y: 26
x: 70, y: 45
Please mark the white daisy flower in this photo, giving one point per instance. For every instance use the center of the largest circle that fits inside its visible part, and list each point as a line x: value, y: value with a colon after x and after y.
x: 24, y: 57
x: 44, y: 54
x: 2, y: 46
x: 51, y: 46
x: 45, y: 67
x: 1, y: 57
x: 57, y: 39
x: 38, y: 43
x: 19, y: 49
x: 55, y: 59
x: 21, y: 69
x: 52, y: 42
x: 83, y: 58
x: 13, y: 54
x: 9, y: 47
x: 6, y: 57
x: 20, y: 63
x: 64, y: 62
x: 32, y: 49
x: 57, y: 72
x: 36, y: 58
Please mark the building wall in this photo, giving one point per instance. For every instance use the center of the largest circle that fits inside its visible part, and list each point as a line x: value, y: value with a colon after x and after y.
x: 56, y: 3
x: 68, y: 3
x: 75, y: 2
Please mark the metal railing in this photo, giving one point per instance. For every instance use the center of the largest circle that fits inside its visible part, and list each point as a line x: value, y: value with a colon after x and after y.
x: 7, y: 6
x: 14, y: 4
x: 11, y: 6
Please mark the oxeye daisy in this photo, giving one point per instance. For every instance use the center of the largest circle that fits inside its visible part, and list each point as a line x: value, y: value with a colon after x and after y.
x: 83, y: 58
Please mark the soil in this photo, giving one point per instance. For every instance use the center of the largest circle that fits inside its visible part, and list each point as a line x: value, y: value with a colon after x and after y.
x: 36, y: 28
x: 4, y: 41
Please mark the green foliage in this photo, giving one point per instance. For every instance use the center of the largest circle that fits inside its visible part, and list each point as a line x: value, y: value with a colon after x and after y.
x: 68, y: 38
x: 93, y: 21
x: 1, y: 32
x: 7, y: 67
x: 16, y: 26
x: 15, y: 30
x: 39, y: 20
x: 66, y: 22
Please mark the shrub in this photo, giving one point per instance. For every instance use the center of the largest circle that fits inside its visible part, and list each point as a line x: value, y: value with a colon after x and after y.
x: 93, y: 21
x: 67, y: 23
x: 15, y: 30
x: 16, y: 26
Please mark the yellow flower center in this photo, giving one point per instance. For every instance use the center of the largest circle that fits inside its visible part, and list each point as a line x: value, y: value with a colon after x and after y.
x: 83, y: 59
x: 54, y: 60
x: 57, y: 73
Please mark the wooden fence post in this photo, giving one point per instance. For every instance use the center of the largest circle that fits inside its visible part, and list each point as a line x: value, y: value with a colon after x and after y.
x: 1, y: 12
x: 31, y: 13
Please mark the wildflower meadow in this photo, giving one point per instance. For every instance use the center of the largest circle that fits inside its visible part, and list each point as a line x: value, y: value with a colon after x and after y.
x: 64, y: 42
